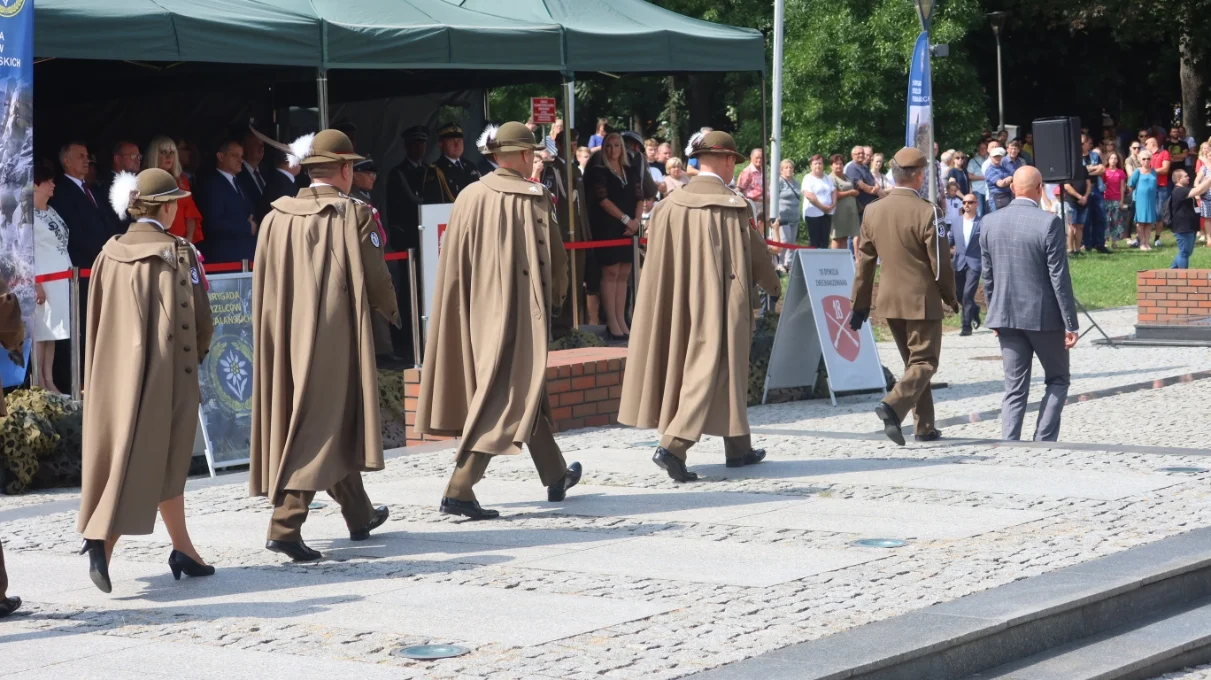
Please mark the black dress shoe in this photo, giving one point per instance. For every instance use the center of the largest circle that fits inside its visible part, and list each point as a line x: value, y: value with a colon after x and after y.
x: 965, y: 332
x: 9, y: 605
x: 891, y: 423
x: 468, y: 509
x: 380, y: 515
x: 295, y: 550
x: 559, y: 490
x: 673, y: 465
x: 931, y: 436
x: 751, y: 458
x: 180, y: 563
x: 1103, y: 250
x: 98, y: 567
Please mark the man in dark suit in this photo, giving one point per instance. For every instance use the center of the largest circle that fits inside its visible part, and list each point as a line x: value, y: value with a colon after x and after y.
x: 85, y: 209
x: 282, y: 180
x: 1030, y: 303
x: 227, y: 211
x: 250, y: 177
x: 965, y: 258
x: 452, y: 173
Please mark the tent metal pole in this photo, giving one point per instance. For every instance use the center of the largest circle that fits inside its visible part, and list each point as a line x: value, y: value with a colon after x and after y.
x: 764, y: 142
x: 569, y: 104
x: 775, y: 155
x: 321, y: 91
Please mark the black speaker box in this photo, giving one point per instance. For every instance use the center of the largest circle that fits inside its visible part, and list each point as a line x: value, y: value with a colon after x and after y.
x: 1057, y: 148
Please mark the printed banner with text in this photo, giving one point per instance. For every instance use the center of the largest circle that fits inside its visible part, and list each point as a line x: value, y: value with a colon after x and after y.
x: 920, y: 99
x: 17, y: 163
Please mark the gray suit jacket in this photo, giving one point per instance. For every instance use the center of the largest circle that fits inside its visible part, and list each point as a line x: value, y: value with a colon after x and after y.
x: 1025, y: 270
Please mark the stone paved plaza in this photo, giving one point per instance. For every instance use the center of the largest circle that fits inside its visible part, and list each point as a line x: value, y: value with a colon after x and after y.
x: 634, y: 576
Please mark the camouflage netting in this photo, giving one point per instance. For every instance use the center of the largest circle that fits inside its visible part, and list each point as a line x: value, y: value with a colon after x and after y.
x: 391, y: 407
x: 40, y: 441
x: 576, y: 339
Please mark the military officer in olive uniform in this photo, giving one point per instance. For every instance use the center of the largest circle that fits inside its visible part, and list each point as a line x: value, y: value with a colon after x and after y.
x: 901, y: 233
x: 405, y: 195
x: 451, y: 172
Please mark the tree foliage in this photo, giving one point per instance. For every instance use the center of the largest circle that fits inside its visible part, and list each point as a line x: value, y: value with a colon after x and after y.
x: 844, y: 80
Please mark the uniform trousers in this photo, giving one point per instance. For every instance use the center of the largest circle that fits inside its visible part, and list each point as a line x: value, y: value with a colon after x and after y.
x: 733, y: 447
x: 290, y: 510
x: 920, y: 344
x: 3, y: 576
x: 472, y: 465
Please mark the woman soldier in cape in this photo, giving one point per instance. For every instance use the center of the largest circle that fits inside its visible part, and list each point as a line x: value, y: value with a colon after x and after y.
x: 148, y: 329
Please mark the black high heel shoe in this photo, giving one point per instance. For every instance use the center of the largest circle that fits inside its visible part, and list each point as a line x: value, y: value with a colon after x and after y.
x: 180, y: 563
x: 98, y: 568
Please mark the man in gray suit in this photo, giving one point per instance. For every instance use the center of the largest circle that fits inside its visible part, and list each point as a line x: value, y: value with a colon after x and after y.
x: 1030, y: 303
x: 965, y: 259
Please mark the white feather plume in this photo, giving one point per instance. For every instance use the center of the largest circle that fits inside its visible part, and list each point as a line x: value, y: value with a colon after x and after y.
x: 300, y: 149
x: 486, y: 137
x: 124, y: 190
x: 694, y: 142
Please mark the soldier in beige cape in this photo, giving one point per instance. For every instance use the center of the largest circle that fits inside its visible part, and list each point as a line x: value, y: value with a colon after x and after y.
x: 501, y: 271
x: 687, y: 361
x: 319, y: 275
x: 12, y: 336
x: 148, y: 329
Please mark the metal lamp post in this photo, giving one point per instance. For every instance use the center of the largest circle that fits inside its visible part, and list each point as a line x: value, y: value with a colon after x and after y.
x: 924, y: 13
x: 998, y: 22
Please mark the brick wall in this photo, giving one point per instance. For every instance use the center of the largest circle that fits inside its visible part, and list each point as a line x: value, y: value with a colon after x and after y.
x: 584, y: 387
x: 1173, y: 297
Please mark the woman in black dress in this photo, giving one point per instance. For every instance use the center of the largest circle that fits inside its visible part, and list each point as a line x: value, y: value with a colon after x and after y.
x: 615, y: 206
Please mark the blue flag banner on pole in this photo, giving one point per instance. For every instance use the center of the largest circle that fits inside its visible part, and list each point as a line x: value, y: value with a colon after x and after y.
x: 920, y: 99
x: 17, y: 164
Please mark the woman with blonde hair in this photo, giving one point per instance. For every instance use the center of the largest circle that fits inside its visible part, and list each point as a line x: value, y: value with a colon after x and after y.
x: 162, y: 153
x: 675, y: 179
x: 615, y: 206
x: 148, y: 329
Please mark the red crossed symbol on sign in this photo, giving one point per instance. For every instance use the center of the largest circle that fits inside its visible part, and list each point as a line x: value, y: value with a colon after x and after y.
x: 845, y: 341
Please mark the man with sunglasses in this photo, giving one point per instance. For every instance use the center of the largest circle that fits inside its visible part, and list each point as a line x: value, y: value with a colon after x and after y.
x: 965, y: 259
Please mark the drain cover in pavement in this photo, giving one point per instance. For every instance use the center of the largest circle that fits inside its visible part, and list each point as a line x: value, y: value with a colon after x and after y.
x: 316, y: 505
x: 996, y: 357
x: 880, y: 543
x: 646, y: 445
x: 1183, y: 470
x: 426, y: 652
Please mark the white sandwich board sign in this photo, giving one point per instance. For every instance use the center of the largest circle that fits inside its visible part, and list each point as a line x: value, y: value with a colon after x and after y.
x: 815, y: 322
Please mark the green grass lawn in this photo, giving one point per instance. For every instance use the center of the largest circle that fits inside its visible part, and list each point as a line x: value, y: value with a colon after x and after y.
x: 1102, y: 281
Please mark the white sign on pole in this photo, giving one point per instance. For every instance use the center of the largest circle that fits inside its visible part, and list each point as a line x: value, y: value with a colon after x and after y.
x: 815, y: 322
x: 433, y: 219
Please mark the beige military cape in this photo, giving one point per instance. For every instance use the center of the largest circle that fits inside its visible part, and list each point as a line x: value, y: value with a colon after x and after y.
x: 486, y: 351
x: 688, y: 359
x: 318, y: 274
x: 148, y: 329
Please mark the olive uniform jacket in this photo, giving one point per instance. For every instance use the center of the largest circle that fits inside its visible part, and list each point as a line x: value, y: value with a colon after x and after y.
x: 319, y: 275
x: 688, y: 359
x: 900, y: 235
x: 501, y: 270
x: 148, y: 329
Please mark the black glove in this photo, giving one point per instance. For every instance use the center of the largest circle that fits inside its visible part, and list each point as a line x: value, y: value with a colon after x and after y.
x: 956, y: 307
x: 858, y: 317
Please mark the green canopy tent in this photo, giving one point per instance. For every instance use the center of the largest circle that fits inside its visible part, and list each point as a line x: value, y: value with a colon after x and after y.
x: 563, y: 36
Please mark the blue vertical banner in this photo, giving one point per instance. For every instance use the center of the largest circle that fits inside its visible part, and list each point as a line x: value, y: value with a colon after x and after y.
x: 17, y: 163
x: 920, y: 99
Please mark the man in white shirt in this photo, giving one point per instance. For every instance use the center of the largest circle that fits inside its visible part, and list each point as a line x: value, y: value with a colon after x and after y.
x: 965, y: 260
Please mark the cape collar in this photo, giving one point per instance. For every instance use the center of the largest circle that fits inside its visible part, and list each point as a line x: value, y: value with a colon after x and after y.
x: 511, y: 182
x: 164, y: 249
